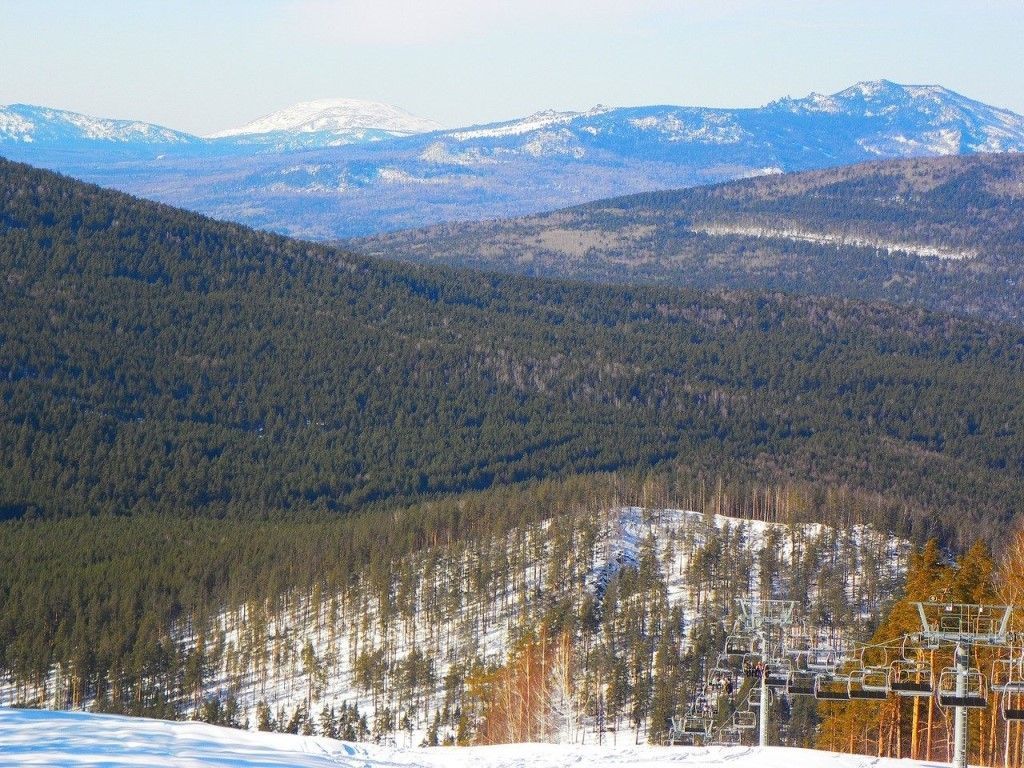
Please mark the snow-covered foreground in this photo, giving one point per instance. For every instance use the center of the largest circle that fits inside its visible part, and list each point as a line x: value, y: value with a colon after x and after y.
x: 34, y: 737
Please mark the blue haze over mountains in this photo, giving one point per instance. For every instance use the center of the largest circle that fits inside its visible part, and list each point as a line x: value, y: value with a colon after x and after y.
x: 341, y: 168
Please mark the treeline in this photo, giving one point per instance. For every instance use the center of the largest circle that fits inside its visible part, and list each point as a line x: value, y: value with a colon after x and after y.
x: 156, y: 362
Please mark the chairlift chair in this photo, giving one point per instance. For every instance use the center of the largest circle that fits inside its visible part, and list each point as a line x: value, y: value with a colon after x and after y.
x: 825, y: 660
x: 908, y: 677
x: 973, y: 695
x: 778, y: 673
x: 1012, y: 706
x: 754, y: 698
x: 746, y: 720
x: 831, y: 688
x: 739, y: 645
x: 696, y: 726
x: 870, y: 684
x: 729, y: 737
x: 722, y: 678
x: 1007, y: 675
x: 801, y: 683
x: 875, y: 679
x: 675, y: 730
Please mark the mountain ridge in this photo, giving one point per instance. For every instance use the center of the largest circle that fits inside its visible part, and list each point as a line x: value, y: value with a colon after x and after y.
x: 290, y: 182
x: 945, y: 233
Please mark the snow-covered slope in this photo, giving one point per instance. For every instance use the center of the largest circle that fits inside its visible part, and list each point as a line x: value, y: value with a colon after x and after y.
x: 916, y: 119
x: 328, y: 123
x: 30, y: 737
x: 27, y: 124
x: 310, y: 650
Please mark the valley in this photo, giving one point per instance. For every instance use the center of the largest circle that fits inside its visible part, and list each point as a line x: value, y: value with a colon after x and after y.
x: 343, y: 434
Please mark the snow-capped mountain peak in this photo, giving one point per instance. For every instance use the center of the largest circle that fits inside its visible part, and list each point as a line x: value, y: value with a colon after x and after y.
x: 29, y: 124
x: 343, y: 117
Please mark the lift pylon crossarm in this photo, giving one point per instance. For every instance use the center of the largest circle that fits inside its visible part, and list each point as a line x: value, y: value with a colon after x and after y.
x: 970, y: 623
x: 756, y: 615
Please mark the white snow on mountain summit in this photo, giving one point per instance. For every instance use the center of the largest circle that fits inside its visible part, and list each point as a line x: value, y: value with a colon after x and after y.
x: 947, y: 122
x: 27, y: 123
x: 340, y: 116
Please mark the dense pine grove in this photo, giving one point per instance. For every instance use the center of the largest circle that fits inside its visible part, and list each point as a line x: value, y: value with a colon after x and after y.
x: 957, y: 205
x: 154, y: 361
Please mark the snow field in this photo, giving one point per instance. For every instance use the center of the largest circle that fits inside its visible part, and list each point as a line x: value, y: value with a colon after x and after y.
x: 73, y: 739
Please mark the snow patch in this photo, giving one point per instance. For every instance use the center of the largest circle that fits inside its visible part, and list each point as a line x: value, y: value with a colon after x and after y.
x: 855, y: 241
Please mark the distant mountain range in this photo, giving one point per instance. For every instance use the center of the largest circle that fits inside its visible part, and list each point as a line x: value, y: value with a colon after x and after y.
x: 341, y: 168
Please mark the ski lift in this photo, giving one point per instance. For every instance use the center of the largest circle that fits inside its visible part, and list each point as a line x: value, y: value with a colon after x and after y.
x: 678, y: 734
x: 870, y: 684
x: 675, y: 730
x: 739, y: 645
x: 722, y: 679
x: 750, y: 662
x: 1012, y: 705
x: 754, y: 698
x: 831, y: 688
x: 801, y: 683
x: 1006, y: 675
x: 729, y: 737
x: 696, y: 726
x: 777, y: 673
x: 875, y: 679
x: 908, y: 677
x: 823, y: 659
x: 972, y: 695
x: 704, y: 705
x: 746, y: 720
x: 733, y: 663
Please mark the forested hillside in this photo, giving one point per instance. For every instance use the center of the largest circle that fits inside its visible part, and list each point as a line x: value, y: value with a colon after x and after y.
x: 212, y: 438
x: 154, y: 361
x: 406, y: 625
x: 944, y: 233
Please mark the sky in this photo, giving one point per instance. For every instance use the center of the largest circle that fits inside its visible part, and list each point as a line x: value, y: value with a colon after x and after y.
x: 203, y: 66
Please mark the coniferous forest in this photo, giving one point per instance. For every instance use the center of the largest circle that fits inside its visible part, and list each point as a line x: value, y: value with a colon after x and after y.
x: 208, y: 432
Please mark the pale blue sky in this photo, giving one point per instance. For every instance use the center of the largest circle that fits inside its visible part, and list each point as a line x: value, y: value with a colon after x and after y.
x: 204, y: 66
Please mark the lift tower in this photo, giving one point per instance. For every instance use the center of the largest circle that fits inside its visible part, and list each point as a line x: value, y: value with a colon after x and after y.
x: 963, y: 625
x: 767, y: 620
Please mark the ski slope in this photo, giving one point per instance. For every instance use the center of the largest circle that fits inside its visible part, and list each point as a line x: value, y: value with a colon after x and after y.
x: 39, y: 737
